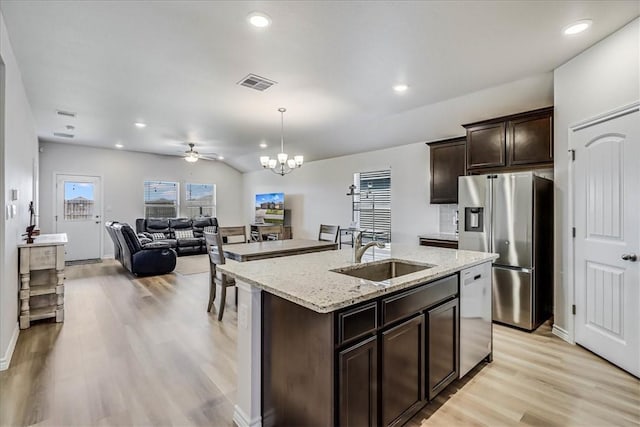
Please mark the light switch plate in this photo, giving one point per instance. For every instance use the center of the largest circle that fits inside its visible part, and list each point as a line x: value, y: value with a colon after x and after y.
x: 14, y: 210
x: 14, y: 194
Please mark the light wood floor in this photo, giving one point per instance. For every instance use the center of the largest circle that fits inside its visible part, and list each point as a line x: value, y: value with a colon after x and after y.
x: 145, y: 352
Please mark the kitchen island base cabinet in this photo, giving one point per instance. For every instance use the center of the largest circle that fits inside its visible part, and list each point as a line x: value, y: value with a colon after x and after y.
x: 297, y: 364
x: 443, y: 333
x: 358, y: 384
x: 402, y: 391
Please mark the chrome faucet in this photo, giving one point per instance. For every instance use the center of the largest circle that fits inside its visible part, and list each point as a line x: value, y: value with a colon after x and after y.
x: 358, y: 249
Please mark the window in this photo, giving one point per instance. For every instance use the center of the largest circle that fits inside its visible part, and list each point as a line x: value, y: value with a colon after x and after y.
x: 200, y: 200
x: 78, y: 200
x: 372, y: 205
x: 160, y: 199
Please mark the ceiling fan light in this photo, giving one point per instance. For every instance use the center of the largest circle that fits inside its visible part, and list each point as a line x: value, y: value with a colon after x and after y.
x: 191, y: 157
x: 299, y: 160
x: 264, y: 161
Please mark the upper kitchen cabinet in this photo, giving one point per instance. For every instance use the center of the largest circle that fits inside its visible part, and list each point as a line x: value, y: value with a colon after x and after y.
x: 486, y: 145
x: 447, y: 164
x: 519, y: 141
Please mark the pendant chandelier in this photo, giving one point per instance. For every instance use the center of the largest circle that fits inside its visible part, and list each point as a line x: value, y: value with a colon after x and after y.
x: 282, y: 165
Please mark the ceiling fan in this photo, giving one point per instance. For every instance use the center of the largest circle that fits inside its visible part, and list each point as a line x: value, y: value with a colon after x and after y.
x: 192, y: 156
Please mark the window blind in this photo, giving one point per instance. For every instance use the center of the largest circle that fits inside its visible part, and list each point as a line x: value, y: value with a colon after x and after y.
x: 160, y: 199
x: 373, y: 204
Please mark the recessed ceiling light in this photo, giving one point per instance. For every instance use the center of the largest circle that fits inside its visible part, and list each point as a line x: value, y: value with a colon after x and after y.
x: 140, y: 125
x: 118, y: 145
x: 220, y: 157
x: 400, y: 88
x: 577, y: 27
x: 263, y: 145
x: 259, y: 19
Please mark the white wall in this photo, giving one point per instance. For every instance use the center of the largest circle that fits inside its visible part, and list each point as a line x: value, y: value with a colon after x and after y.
x: 316, y: 193
x: 603, y: 77
x: 19, y: 153
x: 123, y: 174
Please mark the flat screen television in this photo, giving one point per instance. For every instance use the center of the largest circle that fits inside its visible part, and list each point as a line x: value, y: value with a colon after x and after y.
x: 269, y: 208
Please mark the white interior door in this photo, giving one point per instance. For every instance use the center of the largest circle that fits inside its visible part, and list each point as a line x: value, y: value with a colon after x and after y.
x: 78, y: 213
x: 606, y: 184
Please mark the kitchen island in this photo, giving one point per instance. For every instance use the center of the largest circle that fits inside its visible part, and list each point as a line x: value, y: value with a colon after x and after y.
x: 324, y: 341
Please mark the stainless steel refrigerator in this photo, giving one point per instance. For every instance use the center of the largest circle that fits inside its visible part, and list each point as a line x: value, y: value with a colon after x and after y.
x: 511, y: 214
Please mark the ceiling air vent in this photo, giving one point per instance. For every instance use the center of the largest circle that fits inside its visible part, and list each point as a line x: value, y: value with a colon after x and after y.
x: 66, y: 113
x: 62, y: 135
x: 256, y: 82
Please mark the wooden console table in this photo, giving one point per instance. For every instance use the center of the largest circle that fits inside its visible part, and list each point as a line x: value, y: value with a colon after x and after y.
x: 41, y: 268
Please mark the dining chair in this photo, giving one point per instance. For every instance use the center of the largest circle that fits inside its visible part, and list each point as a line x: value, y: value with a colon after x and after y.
x: 329, y: 233
x: 273, y: 232
x: 213, y: 242
x: 235, y: 231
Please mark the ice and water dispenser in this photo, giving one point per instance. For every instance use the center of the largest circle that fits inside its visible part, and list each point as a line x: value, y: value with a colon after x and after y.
x: 474, y: 219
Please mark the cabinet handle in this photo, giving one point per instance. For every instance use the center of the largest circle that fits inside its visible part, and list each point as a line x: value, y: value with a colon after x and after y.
x: 477, y: 277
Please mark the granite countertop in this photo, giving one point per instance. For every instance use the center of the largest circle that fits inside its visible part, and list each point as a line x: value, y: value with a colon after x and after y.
x: 307, y: 279
x: 451, y: 237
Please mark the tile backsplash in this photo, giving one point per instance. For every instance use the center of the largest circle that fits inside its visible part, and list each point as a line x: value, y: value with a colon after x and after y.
x: 448, y: 218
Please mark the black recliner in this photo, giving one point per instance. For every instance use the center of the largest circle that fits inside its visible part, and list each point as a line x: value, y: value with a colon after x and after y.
x: 117, y: 250
x: 150, y: 259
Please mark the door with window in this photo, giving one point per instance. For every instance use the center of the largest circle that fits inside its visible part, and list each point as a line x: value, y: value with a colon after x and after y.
x: 78, y: 213
x: 606, y: 182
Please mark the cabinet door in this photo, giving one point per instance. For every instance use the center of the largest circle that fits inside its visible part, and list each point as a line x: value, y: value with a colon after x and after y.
x: 486, y: 146
x: 443, y: 331
x: 358, y: 384
x: 447, y: 164
x: 530, y: 140
x: 402, y: 376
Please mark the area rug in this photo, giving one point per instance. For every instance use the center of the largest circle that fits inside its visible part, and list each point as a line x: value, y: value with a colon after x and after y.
x: 192, y: 264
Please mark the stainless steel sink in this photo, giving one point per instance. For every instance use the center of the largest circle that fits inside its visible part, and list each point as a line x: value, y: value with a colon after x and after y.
x: 381, y: 271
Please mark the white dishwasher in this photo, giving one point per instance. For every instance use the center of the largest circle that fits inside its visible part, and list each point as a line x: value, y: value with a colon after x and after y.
x: 475, y: 316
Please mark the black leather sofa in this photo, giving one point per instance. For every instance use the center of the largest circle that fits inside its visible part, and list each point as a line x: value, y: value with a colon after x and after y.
x: 185, y: 235
x: 142, y: 260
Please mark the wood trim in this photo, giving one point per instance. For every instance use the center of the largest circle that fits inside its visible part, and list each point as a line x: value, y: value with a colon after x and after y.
x: 462, y: 138
x: 541, y: 111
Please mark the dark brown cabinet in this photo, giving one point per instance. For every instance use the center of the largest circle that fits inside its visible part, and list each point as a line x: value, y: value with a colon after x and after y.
x: 486, y: 146
x: 443, y: 331
x: 358, y: 384
x: 402, y: 373
x: 438, y: 243
x: 447, y: 164
x: 531, y: 139
x: 511, y: 142
x: 371, y: 364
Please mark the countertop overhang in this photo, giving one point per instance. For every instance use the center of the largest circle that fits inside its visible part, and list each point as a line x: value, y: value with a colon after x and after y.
x: 307, y: 280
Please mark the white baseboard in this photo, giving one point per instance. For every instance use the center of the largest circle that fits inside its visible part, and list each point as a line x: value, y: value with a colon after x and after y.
x: 242, y: 420
x: 561, y: 333
x: 108, y: 256
x: 6, y: 358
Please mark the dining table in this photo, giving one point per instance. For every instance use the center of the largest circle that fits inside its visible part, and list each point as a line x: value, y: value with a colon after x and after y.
x: 243, y: 252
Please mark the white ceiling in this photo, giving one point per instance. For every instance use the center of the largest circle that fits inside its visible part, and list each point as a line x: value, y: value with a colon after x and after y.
x: 175, y: 65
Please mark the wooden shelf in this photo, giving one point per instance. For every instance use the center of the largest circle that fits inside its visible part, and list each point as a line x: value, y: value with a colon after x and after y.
x: 41, y: 268
x: 43, y: 290
x: 42, y: 313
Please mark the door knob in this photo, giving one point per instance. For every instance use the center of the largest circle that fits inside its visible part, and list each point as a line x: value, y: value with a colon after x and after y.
x: 630, y: 257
